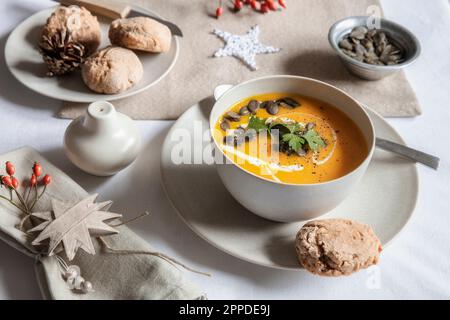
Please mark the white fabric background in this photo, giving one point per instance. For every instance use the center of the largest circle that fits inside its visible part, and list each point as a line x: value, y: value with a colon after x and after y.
x: 416, y: 265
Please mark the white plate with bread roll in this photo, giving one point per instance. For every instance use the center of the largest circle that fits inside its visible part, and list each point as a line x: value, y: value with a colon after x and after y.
x: 76, y: 61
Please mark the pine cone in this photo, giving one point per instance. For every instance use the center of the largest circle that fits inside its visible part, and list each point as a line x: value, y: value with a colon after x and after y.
x: 60, y: 53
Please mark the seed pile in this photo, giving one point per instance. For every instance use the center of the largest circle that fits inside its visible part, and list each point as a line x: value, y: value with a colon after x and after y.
x: 372, y: 47
x: 290, y: 137
x: 272, y: 107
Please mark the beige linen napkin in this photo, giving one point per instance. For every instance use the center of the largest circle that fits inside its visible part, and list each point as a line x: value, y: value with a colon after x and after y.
x: 301, y: 31
x: 114, y: 276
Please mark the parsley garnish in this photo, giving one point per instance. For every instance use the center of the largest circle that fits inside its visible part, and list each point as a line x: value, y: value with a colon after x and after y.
x: 315, y: 142
x: 295, y: 142
x: 257, y: 124
x: 286, y: 127
x: 292, y: 134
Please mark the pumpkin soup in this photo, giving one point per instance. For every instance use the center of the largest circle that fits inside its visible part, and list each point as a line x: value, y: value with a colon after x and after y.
x: 290, y: 138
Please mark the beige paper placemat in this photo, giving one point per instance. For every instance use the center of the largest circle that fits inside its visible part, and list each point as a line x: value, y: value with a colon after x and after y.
x: 301, y: 31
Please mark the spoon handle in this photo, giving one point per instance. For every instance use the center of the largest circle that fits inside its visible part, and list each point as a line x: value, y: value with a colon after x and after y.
x: 415, y: 155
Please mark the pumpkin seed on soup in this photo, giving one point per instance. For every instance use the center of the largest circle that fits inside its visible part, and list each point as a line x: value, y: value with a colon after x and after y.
x: 264, y: 104
x: 301, y: 152
x: 232, y: 116
x: 272, y: 108
x: 310, y: 126
x: 253, y: 106
x: 225, y: 125
x: 289, y: 102
x: 244, y: 111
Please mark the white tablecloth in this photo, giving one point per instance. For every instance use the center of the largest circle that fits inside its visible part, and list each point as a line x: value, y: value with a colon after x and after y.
x: 416, y: 265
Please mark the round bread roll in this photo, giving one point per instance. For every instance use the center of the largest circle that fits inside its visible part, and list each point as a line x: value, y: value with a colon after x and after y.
x: 335, y: 247
x: 112, y: 70
x: 140, y: 33
x: 82, y: 25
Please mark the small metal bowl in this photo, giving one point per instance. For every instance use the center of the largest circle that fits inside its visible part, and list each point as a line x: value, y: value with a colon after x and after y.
x: 399, y: 35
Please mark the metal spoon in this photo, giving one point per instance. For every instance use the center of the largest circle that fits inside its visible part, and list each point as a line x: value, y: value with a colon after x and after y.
x: 415, y: 155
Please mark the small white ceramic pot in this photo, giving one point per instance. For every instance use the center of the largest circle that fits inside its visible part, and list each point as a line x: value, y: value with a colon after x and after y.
x: 103, y: 141
x: 286, y: 202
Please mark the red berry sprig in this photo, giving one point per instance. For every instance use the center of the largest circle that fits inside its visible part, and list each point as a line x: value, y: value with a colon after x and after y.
x: 33, y: 180
x: 12, y: 184
x: 262, y: 6
x: 7, y: 181
x: 271, y: 5
x: 46, y: 180
x: 37, y: 169
x: 10, y: 169
x: 238, y: 5
x: 15, y: 183
x: 219, y: 12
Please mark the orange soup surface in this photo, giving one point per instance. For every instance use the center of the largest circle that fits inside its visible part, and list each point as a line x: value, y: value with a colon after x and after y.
x: 340, y: 147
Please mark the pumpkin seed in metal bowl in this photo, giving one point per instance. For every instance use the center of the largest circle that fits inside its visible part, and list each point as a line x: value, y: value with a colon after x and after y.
x: 373, y: 54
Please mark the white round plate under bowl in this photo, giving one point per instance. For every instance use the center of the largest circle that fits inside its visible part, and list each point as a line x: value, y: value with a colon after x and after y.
x: 26, y: 64
x: 384, y: 199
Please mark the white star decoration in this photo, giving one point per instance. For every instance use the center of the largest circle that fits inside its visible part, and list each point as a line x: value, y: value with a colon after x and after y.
x: 71, y: 225
x: 244, y: 47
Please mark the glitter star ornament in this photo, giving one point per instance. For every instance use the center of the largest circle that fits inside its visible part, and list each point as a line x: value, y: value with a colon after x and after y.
x: 73, y: 225
x: 244, y: 47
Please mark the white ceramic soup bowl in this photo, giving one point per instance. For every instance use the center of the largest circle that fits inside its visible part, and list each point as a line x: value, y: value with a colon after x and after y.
x: 285, y: 202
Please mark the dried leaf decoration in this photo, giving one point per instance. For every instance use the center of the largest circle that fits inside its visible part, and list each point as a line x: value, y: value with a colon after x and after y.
x: 73, y: 226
